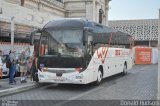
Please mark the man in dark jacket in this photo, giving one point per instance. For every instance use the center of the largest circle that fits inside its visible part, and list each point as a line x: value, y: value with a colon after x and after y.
x: 12, y: 72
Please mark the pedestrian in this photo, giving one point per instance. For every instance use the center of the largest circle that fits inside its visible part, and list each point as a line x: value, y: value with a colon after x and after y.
x: 1, y: 73
x: 8, y: 63
x: 23, y: 68
x: 34, y: 67
x: 12, y: 70
x: 29, y: 64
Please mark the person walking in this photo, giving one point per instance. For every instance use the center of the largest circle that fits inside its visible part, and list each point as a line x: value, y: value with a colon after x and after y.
x: 34, y: 67
x: 12, y: 70
x: 23, y: 68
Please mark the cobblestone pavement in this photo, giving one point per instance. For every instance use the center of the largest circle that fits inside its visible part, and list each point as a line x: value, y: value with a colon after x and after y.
x: 139, y: 84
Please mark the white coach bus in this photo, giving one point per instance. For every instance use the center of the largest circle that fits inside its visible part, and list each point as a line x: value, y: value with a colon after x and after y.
x: 78, y: 51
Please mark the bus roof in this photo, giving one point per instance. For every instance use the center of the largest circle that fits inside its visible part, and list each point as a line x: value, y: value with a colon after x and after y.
x: 100, y: 32
x: 65, y: 24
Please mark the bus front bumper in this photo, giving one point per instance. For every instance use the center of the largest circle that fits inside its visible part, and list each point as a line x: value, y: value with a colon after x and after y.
x: 66, y: 78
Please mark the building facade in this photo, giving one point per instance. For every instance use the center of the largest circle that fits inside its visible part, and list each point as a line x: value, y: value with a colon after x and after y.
x: 95, y: 10
x: 144, y: 32
x: 32, y: 14
x: 39, y: 12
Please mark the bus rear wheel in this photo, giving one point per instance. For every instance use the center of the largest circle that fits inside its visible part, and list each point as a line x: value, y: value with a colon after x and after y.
x: 99, y: 77
x: 125, y: 69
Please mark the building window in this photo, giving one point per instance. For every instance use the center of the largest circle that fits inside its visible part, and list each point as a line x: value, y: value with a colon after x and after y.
x: 100, y: 16
x: 22, y: 2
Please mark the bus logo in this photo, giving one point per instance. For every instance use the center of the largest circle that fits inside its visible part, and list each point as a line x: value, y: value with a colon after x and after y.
x: 102, y: 54
x: 117, y: 52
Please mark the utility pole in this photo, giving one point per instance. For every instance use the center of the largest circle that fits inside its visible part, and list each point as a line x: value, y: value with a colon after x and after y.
x: 12, y: 32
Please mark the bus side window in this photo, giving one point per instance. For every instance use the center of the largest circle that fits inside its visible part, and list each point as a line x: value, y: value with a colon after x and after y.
x: 44, y: 45
x: 42, y: 49
x: 46, y: 49
x: 52, y: 46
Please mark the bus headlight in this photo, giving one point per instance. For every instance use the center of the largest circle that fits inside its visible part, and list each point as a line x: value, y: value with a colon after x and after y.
x: 79, y: 76
x: 41, y: 76
x: 79, y: 69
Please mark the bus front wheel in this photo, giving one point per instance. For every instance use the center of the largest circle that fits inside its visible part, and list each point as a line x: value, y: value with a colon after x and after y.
x: 99, y: 77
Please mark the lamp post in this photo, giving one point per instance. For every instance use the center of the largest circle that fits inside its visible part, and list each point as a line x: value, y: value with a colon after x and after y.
x: 12, y: 32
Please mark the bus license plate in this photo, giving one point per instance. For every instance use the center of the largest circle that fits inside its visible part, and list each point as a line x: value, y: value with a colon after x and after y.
x: 59, y: 79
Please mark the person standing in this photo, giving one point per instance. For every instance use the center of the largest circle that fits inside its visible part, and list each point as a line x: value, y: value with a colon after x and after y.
x: 34, y: 67
x: 23, y: 68
x: 1, y: 73
x: 12, y: 72
x: 29, y: 65
x: 9, y: 63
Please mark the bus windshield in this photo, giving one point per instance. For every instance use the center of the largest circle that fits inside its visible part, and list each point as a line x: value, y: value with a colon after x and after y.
x: 67, y: 36
x: 64, y: 42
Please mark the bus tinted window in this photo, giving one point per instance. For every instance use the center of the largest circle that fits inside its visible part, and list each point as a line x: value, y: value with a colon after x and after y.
x: 67, y: 36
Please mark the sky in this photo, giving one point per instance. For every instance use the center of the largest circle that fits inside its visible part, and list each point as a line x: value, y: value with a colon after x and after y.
x: 133, y: 9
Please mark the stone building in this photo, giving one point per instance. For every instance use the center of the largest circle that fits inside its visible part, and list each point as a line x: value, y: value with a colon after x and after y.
x: 30, y: 14
x: 39, y: 12
x: 95, y: 10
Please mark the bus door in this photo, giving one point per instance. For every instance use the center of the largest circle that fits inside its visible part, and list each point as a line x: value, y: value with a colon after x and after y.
x: 35, y: 38
x: 43, y: 49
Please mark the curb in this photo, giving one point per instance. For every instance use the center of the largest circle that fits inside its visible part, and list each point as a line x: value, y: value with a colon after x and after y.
x: 18, y: 89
